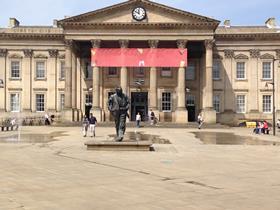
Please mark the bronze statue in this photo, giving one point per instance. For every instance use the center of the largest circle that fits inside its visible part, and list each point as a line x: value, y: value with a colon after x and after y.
x: 118, y: 105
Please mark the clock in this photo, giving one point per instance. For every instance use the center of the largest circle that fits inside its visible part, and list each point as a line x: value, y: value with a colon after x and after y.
x: 139, y: 13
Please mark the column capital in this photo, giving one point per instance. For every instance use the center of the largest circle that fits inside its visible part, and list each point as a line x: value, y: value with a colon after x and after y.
x: 153, y: 43
x: 124, y: 43
x: 53, y: 53
x: 229, y: 53
x: 209, y: 43
x: 255, y: 53
x: 95, y: 43
x: 3, y: 52
x: 68, y: 43
x: 28, y: 53
x: 182, y: 43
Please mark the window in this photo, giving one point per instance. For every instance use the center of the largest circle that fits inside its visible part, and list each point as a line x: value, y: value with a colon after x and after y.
x: 40, y: 69
x: 15, y: 104
x: 240, y: 70
x: 166, y: 72
x: 267, y: 103
x: 190, y: 72
x: 240, y: 104
x: 140, y: 72
x: 266, y: 71
x: 89, y: 99
x: 62, y: 70
x: 216, y: 70
x: 88, y: 71
x: 216, y: 103
x: 190, y: 100
x: 15, y: 69
x: 112, y: 71
x: 166, y: 101
x: 40, y: 102
x: 62, y: 101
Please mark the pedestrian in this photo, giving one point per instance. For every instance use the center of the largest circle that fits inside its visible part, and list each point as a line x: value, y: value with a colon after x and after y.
x: 152, y: 117
x: 92, y: 124
x: 85, y: 125
x: 199, y: 120
x: 138, y: 120
x: 278, y: 123
x: 265, y: 127
x: 47, y: 119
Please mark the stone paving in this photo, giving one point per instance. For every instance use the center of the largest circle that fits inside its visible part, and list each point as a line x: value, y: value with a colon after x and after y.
x: 183, y: 175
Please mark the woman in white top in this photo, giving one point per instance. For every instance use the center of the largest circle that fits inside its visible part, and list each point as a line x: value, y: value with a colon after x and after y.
x: 138, y: 119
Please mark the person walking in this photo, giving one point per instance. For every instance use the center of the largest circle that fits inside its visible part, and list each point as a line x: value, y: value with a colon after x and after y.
x: 85, y: 125
x: 92, y: 124
x: 199, y: 120
x: 152, y: 117
x: 47, y: 119
x: 138, y: 120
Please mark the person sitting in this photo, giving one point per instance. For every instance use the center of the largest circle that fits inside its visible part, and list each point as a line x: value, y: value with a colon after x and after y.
x: 265, y: 127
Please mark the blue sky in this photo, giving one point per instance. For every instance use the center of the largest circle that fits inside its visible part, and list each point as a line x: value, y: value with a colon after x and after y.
x: 240, y: 12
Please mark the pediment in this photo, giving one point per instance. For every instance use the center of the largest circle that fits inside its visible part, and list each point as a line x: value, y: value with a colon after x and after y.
x: 267, y: 56
x: 241, y: 56
x: 122, y: 13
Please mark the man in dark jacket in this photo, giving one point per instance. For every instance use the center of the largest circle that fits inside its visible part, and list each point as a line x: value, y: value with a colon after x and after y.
x: 118, y: 105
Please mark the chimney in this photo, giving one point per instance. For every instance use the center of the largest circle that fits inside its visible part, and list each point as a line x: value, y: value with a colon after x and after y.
x: 271, y: 23
x: 55, y: 23
x: 13, y: 22
x: 227, y: 23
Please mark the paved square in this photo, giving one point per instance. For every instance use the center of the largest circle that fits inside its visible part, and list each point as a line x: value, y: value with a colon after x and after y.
x: 186, y: 174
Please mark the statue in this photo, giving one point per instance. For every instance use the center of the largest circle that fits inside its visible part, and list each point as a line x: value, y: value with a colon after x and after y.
x: 118, y: 105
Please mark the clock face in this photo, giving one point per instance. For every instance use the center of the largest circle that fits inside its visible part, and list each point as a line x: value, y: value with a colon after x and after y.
x: 139, y: 13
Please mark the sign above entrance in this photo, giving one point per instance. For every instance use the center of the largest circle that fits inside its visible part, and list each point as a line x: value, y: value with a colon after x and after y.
x: 138, y: 57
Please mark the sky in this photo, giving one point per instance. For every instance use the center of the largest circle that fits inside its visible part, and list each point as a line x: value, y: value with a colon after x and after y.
x: 43, y: 12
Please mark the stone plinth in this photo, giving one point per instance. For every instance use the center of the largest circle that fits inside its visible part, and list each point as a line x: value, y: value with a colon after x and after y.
x: 119, y: 146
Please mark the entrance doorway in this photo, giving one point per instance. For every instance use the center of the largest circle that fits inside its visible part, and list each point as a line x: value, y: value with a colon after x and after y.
x: 191, y: 108
x: 87, y: 109
x: 139, y: 103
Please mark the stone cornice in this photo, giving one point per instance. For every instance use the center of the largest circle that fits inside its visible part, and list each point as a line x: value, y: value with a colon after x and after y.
x: 136, y: 25
x: 22, y: 36
x: 247, y: 36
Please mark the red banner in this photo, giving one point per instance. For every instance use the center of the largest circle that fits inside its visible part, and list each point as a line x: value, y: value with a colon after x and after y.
x: 138, y: 57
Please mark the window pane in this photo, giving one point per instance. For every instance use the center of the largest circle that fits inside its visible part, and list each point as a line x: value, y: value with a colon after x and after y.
x: 267, y: 103
x: 62, y: 101
x: 216, y: 70
x: 190, y: 100
x: 216, y: 103
x: 89, y: 99
x: 240, y: 104
x: 166, y: 101
x: 190, y: 72
x: 14, y: 102
x: 15, y: 69
x: 166, y: 72
x: 240, y: 70
x: 40, y: 102
x: 266, y: 73
x: 62, y: 70
x: 40, y: 69
x: 112, y: 71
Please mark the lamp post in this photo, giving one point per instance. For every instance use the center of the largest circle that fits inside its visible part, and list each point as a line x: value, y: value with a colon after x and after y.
x: 273, y: 94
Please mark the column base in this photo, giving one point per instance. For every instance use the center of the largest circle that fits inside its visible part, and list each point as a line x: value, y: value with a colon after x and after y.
x: 209, y: 115
x: 181, y: 115
x: 97, y: 113
x: 68, y: 115
x: 228, y: 117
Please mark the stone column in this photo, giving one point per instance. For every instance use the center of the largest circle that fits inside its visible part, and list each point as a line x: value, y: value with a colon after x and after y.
x: 277, y: 83
x: 52, y: 81
x: 27, y: 79
x: 252, y: 73
x: 153, y: 83
x: 209, y: 114
x: 181, y: 111
x: 68, y: 114
x: 3, y: 56
x: 96, y: 109
x: 124, y: 75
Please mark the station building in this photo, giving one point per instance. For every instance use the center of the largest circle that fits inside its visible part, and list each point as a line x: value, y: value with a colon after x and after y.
x: 230, y: 76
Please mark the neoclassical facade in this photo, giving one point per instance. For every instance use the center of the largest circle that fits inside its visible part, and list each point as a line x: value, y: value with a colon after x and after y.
x: 229, y: 77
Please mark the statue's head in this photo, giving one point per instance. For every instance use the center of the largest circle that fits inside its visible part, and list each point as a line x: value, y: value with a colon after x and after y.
x: 119, y: 91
